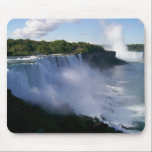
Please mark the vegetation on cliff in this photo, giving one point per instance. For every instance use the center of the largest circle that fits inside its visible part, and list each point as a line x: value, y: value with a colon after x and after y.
x: 31, y: 47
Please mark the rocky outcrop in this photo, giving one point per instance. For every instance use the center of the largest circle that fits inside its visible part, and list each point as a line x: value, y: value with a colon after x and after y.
x: 102, y: 59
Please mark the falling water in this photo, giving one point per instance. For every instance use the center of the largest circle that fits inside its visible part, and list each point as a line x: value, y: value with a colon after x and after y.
x: 115, y: 95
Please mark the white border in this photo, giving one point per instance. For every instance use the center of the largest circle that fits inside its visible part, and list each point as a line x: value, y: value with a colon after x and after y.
x: 10, y: 9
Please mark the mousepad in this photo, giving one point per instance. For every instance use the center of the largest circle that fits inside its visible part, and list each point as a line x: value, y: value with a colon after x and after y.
x: 75, y: 76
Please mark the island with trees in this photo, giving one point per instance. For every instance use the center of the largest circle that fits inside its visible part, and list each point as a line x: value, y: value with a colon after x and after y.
x: 25, y: 47
x: 21, y: 47
x: 95, y: 55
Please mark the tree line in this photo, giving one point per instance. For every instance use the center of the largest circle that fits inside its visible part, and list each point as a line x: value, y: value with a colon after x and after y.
x: 31, y: 47
x: 135, y: 47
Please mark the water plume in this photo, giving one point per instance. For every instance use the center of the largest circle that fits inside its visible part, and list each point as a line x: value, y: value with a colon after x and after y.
x: 114, y: 36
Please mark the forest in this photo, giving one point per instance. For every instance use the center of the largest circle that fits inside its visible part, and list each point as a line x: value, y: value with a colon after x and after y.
x: 23, y: 47
x: 30, y: 47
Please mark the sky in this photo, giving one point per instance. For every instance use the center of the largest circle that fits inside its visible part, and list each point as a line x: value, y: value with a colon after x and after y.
x: 86, y: 30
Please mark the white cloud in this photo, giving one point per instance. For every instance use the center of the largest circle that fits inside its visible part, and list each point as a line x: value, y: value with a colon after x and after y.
x: 37, y: 28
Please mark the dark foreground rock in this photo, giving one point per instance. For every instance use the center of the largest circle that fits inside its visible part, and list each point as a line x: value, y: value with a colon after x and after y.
x: 26, y: 118
x: 102, y: 59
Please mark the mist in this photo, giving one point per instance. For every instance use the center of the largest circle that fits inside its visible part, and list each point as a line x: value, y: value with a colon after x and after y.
x: 114, y: 37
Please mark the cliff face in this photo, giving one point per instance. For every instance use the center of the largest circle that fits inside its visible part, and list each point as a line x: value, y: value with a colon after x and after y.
x: 27, y: 118
x: 102, y: 59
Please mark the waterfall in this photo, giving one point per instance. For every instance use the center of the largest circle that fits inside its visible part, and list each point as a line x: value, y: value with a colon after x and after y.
x: 61, y: 83
x: 35, y: 79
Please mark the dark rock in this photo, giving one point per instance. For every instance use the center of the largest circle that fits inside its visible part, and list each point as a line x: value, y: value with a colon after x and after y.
x: 102, y: 59
x: 23, y: 117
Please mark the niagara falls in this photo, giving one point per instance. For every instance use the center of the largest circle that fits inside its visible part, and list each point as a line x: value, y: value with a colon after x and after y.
x: 75, y: 86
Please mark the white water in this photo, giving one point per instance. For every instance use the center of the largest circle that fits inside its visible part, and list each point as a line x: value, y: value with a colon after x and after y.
x: 61, y: 83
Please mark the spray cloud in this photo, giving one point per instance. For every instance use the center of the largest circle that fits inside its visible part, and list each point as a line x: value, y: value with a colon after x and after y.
x: 114, y: 36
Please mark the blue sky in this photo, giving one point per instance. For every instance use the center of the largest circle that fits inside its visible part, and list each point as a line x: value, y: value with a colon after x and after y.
x: 87, y: 30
